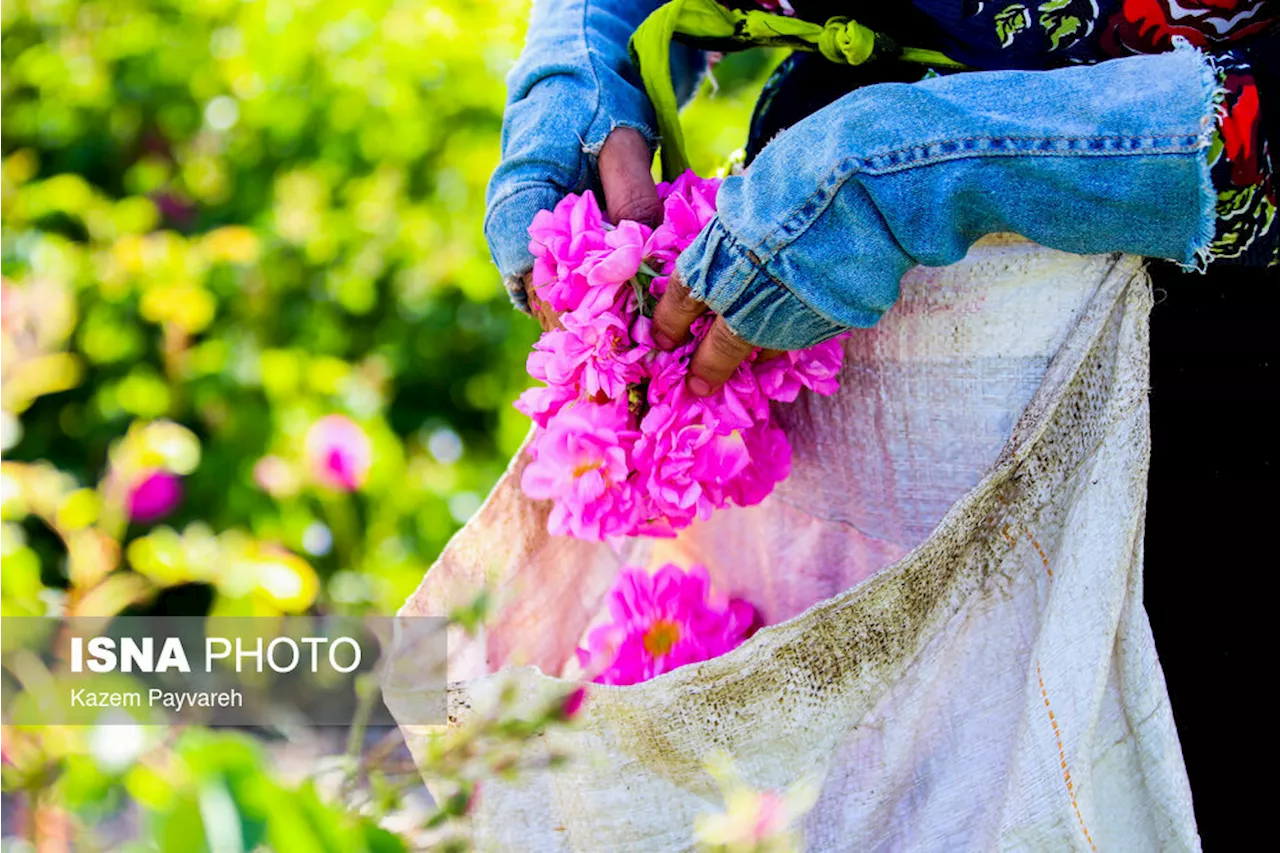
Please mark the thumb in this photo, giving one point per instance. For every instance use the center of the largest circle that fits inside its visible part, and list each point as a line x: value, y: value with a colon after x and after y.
x: 626, y: 177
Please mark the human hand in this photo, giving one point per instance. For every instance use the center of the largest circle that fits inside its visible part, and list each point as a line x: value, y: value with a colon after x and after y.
x: 626, y: 178
x: 719, y: 353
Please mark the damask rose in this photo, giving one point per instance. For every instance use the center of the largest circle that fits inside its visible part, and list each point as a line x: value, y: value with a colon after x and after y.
x: 621, y: 447
x: 663, y: 621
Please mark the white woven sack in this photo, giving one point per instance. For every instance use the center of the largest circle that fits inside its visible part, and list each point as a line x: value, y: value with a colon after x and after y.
x: 952, y: 578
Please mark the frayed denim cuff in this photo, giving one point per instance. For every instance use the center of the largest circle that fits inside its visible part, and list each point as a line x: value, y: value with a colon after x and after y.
x: 506, y: 228
x: 605, y: 124
x: 732, y: 281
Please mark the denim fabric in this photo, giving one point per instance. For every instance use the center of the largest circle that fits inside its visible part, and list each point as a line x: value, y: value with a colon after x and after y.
x: 573, y: 84
x: 804, y: 83
x: 815, y: 236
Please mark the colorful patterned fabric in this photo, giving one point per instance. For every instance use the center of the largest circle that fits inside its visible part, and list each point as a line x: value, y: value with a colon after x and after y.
x: 1052, y: 33
x: 1240, y: 166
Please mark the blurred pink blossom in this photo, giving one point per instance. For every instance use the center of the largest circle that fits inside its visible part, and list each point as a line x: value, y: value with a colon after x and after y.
x: 338, y: 453
x: 275, y: 476
x: 154, y: 494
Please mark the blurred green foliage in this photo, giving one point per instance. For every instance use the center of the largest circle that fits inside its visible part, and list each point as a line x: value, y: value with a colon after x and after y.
x: 222, y: 221
x: 253, y: 214
x: 241, y: 216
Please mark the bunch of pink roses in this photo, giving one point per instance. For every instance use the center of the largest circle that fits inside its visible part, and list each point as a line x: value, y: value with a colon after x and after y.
x: 622, y: 448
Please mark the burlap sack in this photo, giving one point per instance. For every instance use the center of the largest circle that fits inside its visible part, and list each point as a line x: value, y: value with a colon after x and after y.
x: 952, y: 575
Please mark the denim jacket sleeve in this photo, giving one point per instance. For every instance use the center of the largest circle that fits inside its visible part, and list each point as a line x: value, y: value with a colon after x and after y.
x: 813, y: 238
x: 573, y: 84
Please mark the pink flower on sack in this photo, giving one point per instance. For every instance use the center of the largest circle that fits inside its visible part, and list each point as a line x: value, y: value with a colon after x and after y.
x: 572, y: 703
x: 338, y: 453
x: 662, y: 622
x: 155, y: 494
x: 580, y: 464
x: 685, y: 463
x: 816, y: 368
x: 592, y: 352
x: 560, y: 241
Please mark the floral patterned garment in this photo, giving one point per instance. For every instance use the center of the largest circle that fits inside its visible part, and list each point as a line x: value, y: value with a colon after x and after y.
x: 1241, y: 35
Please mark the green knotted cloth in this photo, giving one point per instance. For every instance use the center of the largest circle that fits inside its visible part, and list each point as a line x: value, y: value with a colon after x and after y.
x: 708, y: 25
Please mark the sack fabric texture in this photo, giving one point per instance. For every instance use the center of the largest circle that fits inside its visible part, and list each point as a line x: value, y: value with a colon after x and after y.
x: 956, y: 648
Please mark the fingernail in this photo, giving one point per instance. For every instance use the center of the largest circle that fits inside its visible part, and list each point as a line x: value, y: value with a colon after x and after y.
x: 699, y: 386
x: 664, y: 340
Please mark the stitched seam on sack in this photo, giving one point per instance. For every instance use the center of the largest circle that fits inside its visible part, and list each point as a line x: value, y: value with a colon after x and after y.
x: 1062, y: 759
x: 1044, y: 692
x: 794, y: 226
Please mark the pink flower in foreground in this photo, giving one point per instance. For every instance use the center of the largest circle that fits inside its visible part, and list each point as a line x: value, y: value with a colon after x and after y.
x: 769, y: 452
x: 738, y: 403
x: 662, y: 622
x: 338, y: 453
x: 684, y: 464
x: 688, y: 204
x: 816, y: 368
x: 592, y: 352
x: 580, y: 461
x: 542, y: 403
x: 621, y: 259
x: 622, y: 447
x: 154, y: 495
x: 560, y: 241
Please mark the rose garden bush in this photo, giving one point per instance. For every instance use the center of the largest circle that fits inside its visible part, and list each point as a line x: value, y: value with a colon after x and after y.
x: 255, y: 357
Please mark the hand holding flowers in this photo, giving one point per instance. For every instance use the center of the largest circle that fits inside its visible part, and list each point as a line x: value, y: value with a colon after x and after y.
x: 624, y: 445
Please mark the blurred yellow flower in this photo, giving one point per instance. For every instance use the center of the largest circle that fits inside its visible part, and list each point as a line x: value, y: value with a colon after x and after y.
x: 283, y: 579
x: 233, y: 244
x: 188, y: 306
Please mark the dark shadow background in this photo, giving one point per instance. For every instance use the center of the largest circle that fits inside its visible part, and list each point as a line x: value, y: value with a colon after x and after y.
x: 1211, y: 511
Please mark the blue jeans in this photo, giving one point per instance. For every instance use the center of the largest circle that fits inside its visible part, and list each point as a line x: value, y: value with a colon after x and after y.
x: 815, y: 236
